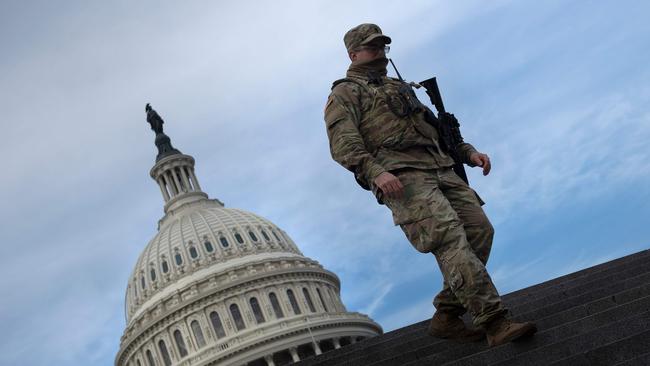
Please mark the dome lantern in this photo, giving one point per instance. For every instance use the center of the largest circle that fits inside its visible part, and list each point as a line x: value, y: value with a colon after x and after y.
x: 173, y: 171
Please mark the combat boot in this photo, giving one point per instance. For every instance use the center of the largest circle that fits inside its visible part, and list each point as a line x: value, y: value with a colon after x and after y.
x: 502, y: 330
x: 449, y: 326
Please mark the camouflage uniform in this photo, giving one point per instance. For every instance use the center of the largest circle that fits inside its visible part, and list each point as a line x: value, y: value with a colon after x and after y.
x: 438, y: 212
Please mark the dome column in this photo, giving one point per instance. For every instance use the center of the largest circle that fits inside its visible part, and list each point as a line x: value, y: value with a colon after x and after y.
x: 176, y: 180
x: 336, y: 342
x: 269, y: 360
x: 317, y: 349
x: 185, y: 179
x: 170, y: 184
x: 294, y: 354
x: 163, y: 189
x: 194, y: 180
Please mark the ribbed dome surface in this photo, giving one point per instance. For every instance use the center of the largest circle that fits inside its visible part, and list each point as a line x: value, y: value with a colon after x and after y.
x: 197, y: 237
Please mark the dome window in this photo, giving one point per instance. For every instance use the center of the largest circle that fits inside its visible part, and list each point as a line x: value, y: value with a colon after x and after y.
x: 216, y: 324
x: 208, y: 246
x: 294, y: 303
x: 193, y: 253
x: 332, y: 297
x: 165, y: 266
x: 252, y: 235
x: 150, y: 358
x: 265, y: 235
x: 198, y: 333
x: 257, y: 311
x: 142, y: 283
x: 178, y: 258
x: 236, y: 316
x: 239, y: 239
x: 180, y: 343
x: 320, y: 296
x: 276, y: 235
x: 153, y: 274
x: 224, y: 242
x: 276, y: 305
x: 164, y: 352
x: 308, y: 298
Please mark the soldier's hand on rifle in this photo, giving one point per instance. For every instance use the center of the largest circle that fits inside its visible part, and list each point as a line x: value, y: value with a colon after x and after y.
x: 481, y: 160
x: 390, y: 185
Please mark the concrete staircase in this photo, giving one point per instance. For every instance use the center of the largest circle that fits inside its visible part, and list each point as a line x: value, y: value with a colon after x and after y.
x: 596, y: 316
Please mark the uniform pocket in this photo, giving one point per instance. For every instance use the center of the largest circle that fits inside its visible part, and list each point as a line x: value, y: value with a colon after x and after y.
x: 411, y: 212
x: 415, y: 204
x: 419, y: 234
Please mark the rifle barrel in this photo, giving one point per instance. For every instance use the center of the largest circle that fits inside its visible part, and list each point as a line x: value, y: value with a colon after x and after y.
x: 398, y: 75
x: 431, y: 85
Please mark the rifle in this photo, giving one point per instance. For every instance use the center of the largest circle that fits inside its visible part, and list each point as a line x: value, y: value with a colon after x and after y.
x: 446, y: 123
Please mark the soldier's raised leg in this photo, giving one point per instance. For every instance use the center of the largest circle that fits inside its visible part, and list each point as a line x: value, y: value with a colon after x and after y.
x: 432, y: 225
x: 478, y: 230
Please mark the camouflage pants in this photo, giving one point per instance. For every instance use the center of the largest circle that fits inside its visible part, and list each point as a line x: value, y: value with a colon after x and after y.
x: 440, y: 214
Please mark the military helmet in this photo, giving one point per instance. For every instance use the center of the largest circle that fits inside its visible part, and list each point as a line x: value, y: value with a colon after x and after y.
x: 363, y: 34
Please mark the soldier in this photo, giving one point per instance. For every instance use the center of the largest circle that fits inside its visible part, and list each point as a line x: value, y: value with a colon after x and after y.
x: 393, y: 151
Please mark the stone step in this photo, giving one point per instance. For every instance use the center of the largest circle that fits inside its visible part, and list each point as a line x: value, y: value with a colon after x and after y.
x: 586, y: 291
x: 418, y: 344
x: 481, y: 354
x: 598, y: 296
x: 603, y: 267
x: 582, y: 283
x: 562, y: 313
x: 613, y: 331
x: 553, y: 302
x: 624, y: 350
x: 549, y: 336
x: 641, y: 360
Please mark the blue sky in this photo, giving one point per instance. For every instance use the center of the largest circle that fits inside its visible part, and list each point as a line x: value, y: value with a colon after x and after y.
x: 556, y: 92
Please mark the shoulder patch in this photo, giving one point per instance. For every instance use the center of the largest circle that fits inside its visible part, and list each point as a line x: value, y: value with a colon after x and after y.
x: 329, y: 102
x: 339, y: 81
x: 344, y: 80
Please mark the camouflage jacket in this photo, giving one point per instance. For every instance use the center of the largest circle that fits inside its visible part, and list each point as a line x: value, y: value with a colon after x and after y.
x: 368, y: 137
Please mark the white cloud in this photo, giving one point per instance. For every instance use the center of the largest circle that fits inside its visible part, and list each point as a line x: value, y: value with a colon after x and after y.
x: 378, y: 299
x: 581, y: 149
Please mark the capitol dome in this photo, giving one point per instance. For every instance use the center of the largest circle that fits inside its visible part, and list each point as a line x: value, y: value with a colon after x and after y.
x: 208, y: 238
x: 223, y: 286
